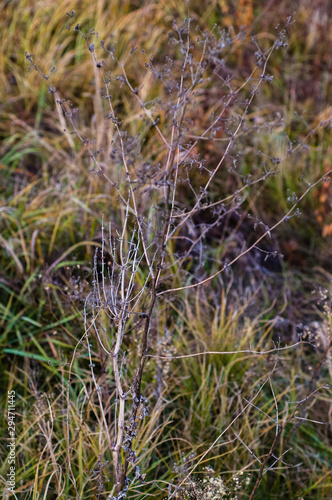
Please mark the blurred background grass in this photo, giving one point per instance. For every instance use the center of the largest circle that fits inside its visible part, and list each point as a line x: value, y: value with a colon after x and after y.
x: 50, y: 211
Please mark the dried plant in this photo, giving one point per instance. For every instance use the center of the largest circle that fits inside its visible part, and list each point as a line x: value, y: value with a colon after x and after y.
x: 175, y: 182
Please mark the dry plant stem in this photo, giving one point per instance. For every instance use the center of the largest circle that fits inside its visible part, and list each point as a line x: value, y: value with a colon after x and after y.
x: 245, y: 351
x: 230, y: 197
x: 155, y: 279
x: 247, y: 447
x: 91, y: 153
x: 234, y: 93
x: 278, y: 434
x: 230, y: 143
x: 116, y: 370
x: 120, y: 321
x: 144, y: 343
x: 138, y: 219
x: 267, y: 233
x: 97, y: 388
x: 146, y: 111
x: 138, y: 383
x: 170, y: 174
x: 120, y: 417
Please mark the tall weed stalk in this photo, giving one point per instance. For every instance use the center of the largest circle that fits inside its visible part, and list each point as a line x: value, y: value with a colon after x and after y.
x: 182, y: 149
